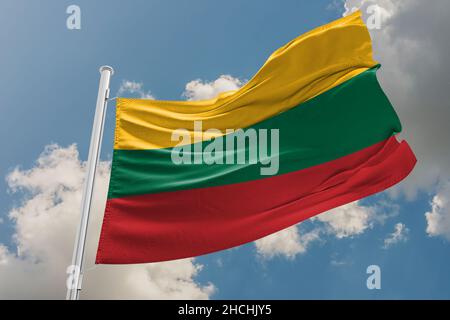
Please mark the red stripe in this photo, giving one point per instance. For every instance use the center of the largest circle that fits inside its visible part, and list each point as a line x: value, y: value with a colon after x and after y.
x: 180, y: 224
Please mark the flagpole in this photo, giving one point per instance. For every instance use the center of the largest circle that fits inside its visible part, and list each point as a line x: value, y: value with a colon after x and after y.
x: 75, y: 270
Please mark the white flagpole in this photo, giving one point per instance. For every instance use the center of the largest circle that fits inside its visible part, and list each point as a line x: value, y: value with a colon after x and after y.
x: 75, y: 270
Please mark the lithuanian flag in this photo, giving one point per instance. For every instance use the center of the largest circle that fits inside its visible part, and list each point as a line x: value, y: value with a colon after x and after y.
x: 312, y: 130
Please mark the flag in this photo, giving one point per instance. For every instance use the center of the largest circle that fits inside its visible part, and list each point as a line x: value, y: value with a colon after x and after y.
x: 311, y: 131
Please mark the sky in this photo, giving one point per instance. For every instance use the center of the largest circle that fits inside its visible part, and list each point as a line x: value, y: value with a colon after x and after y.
x: 194, y: 50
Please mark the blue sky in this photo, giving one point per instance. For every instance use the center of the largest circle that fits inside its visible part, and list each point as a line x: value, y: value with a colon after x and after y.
x: 49, y: 83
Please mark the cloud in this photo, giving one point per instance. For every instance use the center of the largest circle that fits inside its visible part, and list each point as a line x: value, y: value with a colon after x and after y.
x: 438, y: 219
x: 386, y: 8
x: 45, y: 224
x: 400, y: 234
x: 288, y: 243
x: 134, y: 88
x: 413, y: 47
x: 202, y: 90
x: 194, y: 90
x: 338, y: 261
x: 347, y: 221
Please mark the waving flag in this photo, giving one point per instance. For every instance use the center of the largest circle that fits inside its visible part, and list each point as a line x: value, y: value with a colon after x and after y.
x: 187, y: 178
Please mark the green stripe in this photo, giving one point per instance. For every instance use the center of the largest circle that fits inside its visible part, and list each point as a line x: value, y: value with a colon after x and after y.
x: 343, y: 120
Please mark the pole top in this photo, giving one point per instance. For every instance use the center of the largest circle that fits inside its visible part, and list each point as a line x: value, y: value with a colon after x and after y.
x: 107, y: 68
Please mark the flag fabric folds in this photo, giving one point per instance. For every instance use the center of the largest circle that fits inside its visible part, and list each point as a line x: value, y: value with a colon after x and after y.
x: 335, y: 143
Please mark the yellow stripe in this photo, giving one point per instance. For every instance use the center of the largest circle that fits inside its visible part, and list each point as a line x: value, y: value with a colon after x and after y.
x: 302, y: 69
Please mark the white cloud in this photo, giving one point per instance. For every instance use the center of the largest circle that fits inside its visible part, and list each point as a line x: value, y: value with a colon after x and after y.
x: 348, y: 220
x: 400, y: 234
x: 288, y: 243
x: 202, y: 90
x: 385, y: 7
x: 337, y: 261
x: 45, y: 224
x: 342, y: 222
x: 134, y: 88
x: 438, y: 219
